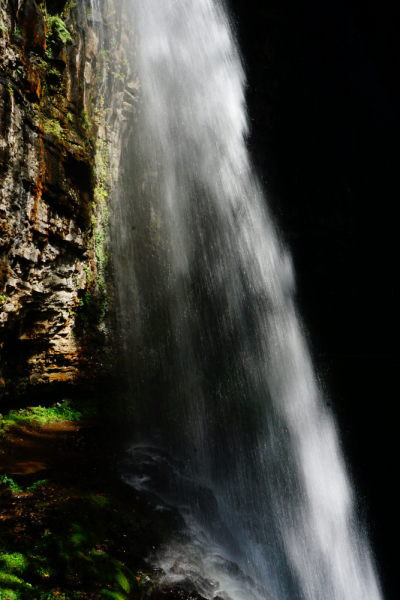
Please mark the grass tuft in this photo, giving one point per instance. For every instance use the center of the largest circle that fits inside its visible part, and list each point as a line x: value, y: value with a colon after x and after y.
x: 40, y: 416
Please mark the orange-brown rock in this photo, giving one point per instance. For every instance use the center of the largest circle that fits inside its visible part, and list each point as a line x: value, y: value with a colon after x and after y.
x: 49, y: 133
x: 46, y: 195
x: 32, y: 27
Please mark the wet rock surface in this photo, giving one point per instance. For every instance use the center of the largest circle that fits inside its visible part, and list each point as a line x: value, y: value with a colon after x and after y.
x: 203, y: 560
x: 183, y: 590
x: 59, y: 156
x: 45, y: 206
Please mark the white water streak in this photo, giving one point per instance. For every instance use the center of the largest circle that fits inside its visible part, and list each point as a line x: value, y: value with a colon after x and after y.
x: 191, y: 138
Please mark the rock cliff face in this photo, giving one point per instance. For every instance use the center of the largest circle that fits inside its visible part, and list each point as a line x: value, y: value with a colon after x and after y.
x: 59, y: 154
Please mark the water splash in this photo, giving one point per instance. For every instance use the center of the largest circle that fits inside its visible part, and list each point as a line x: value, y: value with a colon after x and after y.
x: 218, y: 364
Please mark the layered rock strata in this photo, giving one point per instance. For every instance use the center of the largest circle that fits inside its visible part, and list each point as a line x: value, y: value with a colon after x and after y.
x: 56, y: 141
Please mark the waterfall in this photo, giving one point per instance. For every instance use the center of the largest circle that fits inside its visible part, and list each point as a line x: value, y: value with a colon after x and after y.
x: 226, y: 402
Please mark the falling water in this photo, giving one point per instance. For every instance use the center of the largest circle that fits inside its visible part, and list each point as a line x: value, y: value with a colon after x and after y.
x: 227, y: 406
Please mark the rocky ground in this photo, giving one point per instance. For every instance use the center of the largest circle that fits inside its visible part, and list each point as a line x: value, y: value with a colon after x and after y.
x: 69, y: 528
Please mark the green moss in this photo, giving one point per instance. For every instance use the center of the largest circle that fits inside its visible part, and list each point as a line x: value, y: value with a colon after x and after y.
x: 118, y: 76
x: 16, y: 33
x: 70, y: 4
x: 54, y: 127
x: 102, y: 166
x: 73, y: 551
x: 101, y: 252
x: 13, y: 563
x: 86, y: 124
x: 54, y: 72
x: 9, y: 481
x: 57, y: 32
x: 17, y: 489
x: 93, y: 304
x: 40, y: 416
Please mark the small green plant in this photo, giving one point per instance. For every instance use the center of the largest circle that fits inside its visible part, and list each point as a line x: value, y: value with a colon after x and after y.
x: 93, y: 304
x: 70, y: 4
x: 10, y: 89
x: 14, y: 487
x: 17, y: 489
x: 37, y: 485
x: 57, y: 34
x: 58, y: 30
x: 126, y: 66
x: 85, y: 120
x: 41, y: 62
x: 118, y: 76
x: 3, y: 299
x: 14, y: 562
x: 3, y: 28
x: 40, y: 416
x: 104, y: 54
x: 53, y: 126
x: 54, y: 72
x: 16, y: 33
x: 69, y: 117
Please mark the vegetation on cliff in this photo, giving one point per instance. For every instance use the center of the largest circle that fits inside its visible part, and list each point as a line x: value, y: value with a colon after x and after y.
x: 55, y: 187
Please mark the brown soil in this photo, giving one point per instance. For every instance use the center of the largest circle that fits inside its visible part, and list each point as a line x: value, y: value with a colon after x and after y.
x: 29, y: 450
x: 69, y: 452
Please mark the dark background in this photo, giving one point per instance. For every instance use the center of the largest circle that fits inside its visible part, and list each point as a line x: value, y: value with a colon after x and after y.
x: 324, y: 103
